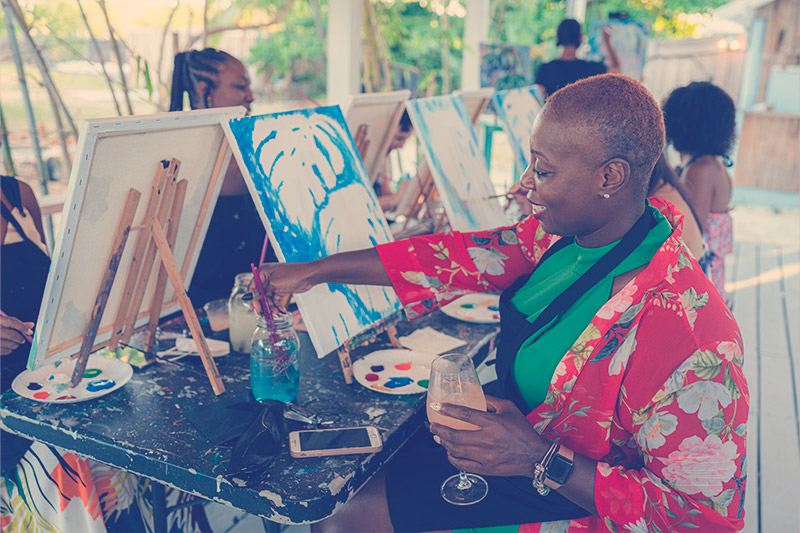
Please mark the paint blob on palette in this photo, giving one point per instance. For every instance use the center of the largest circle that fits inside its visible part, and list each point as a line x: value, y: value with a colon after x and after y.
x: 394, y: 371
x: 50, y: 383
x: 475, y: 308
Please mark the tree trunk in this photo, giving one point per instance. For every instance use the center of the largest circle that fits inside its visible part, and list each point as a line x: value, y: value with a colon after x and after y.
x: 7, y: 159
x: 115, y: 46
x: 47, y: 81
x: 162, y: 93
x: 100, y: 56
x: 37, y: 149
x: 445, y: 22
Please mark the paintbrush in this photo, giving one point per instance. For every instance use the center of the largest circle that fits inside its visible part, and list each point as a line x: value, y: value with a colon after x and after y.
x: 27, y: 337
x: 264, y: 249
x: 266, y: 311
x: 509, y: 195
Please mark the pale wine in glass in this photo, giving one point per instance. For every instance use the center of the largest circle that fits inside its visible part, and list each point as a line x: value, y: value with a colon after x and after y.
x: 453, y: 380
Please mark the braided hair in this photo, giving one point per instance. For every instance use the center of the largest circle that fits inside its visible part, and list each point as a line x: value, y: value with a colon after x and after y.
x: 191, y: 68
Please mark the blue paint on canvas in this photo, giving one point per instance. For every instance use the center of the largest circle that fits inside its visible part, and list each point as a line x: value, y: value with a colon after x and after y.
x: 312, y: 188
x: 444, y: 128
x: 517, y: 109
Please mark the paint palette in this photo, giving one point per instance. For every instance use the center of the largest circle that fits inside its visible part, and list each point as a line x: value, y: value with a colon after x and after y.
x: 50, y: 383
x: 394, y: 371
x: 475, y: 308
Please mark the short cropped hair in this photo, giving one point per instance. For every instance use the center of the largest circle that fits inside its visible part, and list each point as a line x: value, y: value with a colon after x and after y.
x: 700, y: 119
x: 623, y: 115
x: 569, y: 33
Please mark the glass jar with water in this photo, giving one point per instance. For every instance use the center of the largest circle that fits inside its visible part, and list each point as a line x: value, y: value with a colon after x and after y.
x: 274, y: 364
x: 241, y: 315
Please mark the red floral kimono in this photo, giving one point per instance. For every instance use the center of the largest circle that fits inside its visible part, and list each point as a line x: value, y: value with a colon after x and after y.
x: 653, y: 388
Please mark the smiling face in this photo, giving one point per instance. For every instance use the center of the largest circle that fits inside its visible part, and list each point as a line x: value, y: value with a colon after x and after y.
x: 233, y: 87
x: 565, y: 177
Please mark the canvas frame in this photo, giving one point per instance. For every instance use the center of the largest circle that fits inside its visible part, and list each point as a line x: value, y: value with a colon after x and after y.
x: 381, y: 113
x: 68, y: 269
x: 320, y: 337
x: 464, y: 186
x: 518, y: 125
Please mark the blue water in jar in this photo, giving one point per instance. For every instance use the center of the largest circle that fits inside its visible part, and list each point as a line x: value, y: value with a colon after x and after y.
x: 274, y: 376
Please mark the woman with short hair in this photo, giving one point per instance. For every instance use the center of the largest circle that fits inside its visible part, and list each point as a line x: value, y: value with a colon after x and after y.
x: 615, y: 353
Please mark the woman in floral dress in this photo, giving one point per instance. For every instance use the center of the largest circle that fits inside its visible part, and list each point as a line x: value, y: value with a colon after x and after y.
x: 633, y: 375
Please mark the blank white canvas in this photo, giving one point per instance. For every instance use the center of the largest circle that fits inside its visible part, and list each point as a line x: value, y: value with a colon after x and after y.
x: 113, y: 156
x: 313, y: 194
x: 517, y: 109
x: 444, y: 129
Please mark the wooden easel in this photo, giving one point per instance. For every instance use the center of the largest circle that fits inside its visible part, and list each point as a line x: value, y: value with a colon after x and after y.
x: 153, y: 243
x: 343, y: 353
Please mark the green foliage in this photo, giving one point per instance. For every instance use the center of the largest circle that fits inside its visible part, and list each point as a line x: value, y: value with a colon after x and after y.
x: 53, y: 25
x: 415, y: 36
x: 667, y: 16
x: 295, y: 52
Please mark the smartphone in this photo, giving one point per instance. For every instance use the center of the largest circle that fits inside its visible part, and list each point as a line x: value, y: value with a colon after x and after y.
x: 337, y: 441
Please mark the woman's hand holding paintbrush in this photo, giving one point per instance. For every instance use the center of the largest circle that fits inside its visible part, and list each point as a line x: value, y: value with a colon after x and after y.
x: 517, y: 194
x: 13, y: 333
x: 281, y: 280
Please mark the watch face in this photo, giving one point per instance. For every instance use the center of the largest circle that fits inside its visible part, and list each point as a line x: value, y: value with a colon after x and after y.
x: 560, y: 469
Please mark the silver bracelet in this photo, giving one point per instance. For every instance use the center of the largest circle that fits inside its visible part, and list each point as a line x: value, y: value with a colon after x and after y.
x: 540, y: 469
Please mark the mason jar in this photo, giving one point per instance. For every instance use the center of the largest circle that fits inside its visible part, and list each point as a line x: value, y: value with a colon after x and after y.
x: 274, y: 364
x: 241, y: 315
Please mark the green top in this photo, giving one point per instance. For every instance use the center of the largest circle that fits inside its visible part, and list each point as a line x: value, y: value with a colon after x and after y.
x: 536, y: 361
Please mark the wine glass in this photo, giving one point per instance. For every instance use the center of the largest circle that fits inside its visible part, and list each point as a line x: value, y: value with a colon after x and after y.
x: 453, y: 380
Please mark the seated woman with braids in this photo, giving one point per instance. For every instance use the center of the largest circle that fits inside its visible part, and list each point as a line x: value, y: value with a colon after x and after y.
x: 213, y: 78
x: 619, y: 367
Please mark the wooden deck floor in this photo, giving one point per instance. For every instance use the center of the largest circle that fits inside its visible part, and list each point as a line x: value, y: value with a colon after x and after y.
x: 763, y: 277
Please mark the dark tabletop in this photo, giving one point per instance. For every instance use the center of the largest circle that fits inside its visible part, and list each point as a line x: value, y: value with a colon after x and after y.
x: 141, y: 428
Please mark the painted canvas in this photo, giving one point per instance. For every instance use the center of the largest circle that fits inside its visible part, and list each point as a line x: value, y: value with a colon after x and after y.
x: 629, y: 39
x: 313, y: 194
x: 505, y: 66
x: 113, y: 156
x: 376, y: 116
x: 444, y: 129
x: 517, y: 109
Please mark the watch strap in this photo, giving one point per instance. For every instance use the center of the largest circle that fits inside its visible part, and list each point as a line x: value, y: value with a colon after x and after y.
x: 567, y: 454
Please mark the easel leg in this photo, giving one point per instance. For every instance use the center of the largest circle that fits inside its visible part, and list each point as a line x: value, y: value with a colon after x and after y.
x: 161, y: 281
x: 178, y: 286
x: 143, y: 281
x: 391, y: 331
x: 138, y: 252
x: 347, y: 365
x: 159, y: 507
x: 101, y: 299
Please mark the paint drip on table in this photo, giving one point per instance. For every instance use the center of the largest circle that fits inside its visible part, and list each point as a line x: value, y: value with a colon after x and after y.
x: 50, y: 383
x: 476, y: 308
x: 394, y: 371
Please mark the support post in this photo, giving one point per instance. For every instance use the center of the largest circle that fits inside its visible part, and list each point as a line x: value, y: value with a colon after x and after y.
x: 476, y: 31
x: 344, y: 50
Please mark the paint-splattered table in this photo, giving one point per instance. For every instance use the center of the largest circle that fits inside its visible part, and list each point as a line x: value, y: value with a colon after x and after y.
x: 142, y: 428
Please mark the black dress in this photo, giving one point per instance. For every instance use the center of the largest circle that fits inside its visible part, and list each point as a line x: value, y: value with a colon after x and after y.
x: 23, y: 275
x: 233, y: 241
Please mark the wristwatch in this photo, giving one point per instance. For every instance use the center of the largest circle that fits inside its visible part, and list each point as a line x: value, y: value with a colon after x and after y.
x: 560, y: 468
x: 553, y: 470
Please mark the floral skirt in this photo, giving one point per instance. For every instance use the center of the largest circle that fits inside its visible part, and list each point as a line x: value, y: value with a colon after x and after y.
x: 54, y: 491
